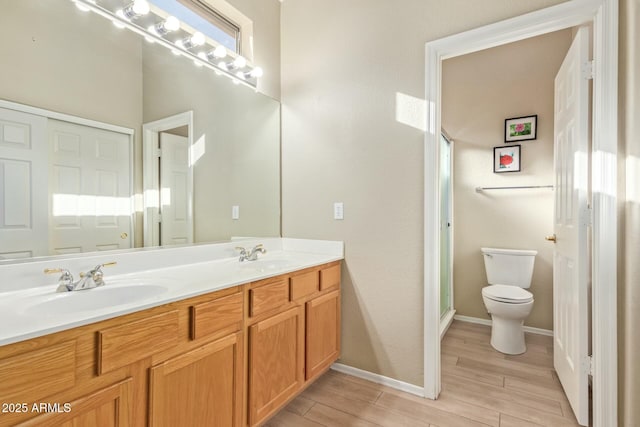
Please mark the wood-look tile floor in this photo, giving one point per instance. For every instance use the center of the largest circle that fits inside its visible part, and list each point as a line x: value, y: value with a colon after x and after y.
x: 480, y: 387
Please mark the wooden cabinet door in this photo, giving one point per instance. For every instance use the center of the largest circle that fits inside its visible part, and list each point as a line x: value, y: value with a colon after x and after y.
x: 322, y: 333
x: 108, y: 407
x: 276, y: 362
x: 200, y: 388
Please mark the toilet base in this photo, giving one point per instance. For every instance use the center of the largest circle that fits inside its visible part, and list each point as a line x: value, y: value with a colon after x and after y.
x: 507, y: 335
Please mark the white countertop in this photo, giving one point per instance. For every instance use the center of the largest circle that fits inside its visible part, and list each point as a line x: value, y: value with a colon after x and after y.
x: 36, y: 311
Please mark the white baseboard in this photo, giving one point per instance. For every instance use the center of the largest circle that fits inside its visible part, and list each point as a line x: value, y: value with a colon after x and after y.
x: 487, y: 322
x: 379, y: 379
x: 445, y: 322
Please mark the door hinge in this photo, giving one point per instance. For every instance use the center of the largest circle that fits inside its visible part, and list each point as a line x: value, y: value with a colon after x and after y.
x: 159, y: 218
x: 587, y: 366
x: 588, y: 70
x: 157, y: 152
x: 587, y: 216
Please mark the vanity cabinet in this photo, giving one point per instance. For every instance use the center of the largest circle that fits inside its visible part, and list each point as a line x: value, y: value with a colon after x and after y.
x: 200, y: 388
x: 322, y: 333
x: 276, y: 362
x: 233, y: 357
x: 294, y: 339
x: 107, y: 407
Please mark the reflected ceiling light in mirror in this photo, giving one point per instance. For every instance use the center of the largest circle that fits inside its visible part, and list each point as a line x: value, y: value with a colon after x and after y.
x: 194, y: 40
x: 255, y: 73
x: 135, y: 10
x: 238, y: 63
x: 218, y: 53
x: 165, y: 24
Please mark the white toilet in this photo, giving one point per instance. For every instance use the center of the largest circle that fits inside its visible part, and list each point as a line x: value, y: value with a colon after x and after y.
x: 509, y: 273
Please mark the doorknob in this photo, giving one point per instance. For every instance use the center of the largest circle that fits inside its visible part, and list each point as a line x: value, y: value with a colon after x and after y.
x: 551, y: 238
x: 124, y: 236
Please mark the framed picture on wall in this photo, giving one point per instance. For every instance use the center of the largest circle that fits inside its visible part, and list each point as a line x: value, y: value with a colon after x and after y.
x: 520, y: 128
x: 506, y: 159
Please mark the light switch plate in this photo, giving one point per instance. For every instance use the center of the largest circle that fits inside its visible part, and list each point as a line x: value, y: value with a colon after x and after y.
x: 338, y: 210
x: 235, y: 212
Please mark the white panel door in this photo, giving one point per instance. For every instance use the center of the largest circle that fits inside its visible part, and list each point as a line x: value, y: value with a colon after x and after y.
x: 571, y: 221
x: 175, y: 189
x: 23, y: 185
x: 91, y: 203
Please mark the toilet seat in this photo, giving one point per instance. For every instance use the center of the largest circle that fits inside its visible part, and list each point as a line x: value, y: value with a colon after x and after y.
x: 507, y: 294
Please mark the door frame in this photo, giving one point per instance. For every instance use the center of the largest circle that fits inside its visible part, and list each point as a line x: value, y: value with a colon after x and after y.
x: 150, y: 173
x: 604, y: 16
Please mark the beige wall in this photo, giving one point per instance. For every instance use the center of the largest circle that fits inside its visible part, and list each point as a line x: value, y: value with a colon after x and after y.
x: 629, y: 236
x: 265, y: 15
x: 343, y: 64
x: 479, y: 91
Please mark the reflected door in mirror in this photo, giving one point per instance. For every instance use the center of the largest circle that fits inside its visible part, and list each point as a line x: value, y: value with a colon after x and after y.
x: 23, y: 185
x: 90, y: 189
x: 175, y: 206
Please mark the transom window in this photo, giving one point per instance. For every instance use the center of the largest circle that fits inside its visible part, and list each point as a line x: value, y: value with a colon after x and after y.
x: 202, y: 17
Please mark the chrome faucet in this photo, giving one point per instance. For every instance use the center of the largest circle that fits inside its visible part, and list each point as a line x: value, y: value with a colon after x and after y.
x: 251, y: 255
x: 92, y: 279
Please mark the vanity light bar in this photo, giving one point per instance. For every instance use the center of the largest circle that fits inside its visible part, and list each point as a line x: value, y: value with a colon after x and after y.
x: 233, y: 70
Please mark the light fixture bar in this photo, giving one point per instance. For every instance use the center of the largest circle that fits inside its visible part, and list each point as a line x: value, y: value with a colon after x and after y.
x: 123, y: 22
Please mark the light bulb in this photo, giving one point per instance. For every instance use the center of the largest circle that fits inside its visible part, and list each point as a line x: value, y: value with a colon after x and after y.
x: 240, y: 75
x: 223, y: 65
x: 197, y: 39
x: 257, y: 72
x: 220, y: 51
x: 168, y: 25
x: 203, y: 56
x: 140, y: 7
x: 171, y: 23
x: 240, y: 62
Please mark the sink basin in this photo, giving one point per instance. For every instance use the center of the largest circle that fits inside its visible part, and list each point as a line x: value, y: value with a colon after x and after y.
x: 94, y: 299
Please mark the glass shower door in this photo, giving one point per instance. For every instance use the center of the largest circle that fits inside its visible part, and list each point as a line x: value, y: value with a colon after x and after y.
x: 445, y: 226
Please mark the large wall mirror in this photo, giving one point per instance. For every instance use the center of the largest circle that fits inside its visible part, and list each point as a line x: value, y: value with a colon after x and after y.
x: 211, y: 158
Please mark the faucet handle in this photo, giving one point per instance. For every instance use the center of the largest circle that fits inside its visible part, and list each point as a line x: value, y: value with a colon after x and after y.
x: 98, y: 269
x: 66, y: 275
x: 241, y: 249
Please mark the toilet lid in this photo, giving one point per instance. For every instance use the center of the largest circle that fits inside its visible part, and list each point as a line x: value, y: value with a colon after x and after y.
x: 505, y: 293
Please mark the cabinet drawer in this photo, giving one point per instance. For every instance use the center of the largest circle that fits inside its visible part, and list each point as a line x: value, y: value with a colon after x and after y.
x: 304, y: 284
x: 223, y: 314
x: 122, y: 345
x: 38, y: 373
x: 330, y: 277
x: 266, y: 297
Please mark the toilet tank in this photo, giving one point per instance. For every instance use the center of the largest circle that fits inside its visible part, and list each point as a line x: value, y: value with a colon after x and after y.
x: 512, y: 267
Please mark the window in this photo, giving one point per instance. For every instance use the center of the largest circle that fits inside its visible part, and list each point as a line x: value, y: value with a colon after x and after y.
x: 202, y: 17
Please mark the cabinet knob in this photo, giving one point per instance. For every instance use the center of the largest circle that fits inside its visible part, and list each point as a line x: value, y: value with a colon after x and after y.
x: 551, y: 238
